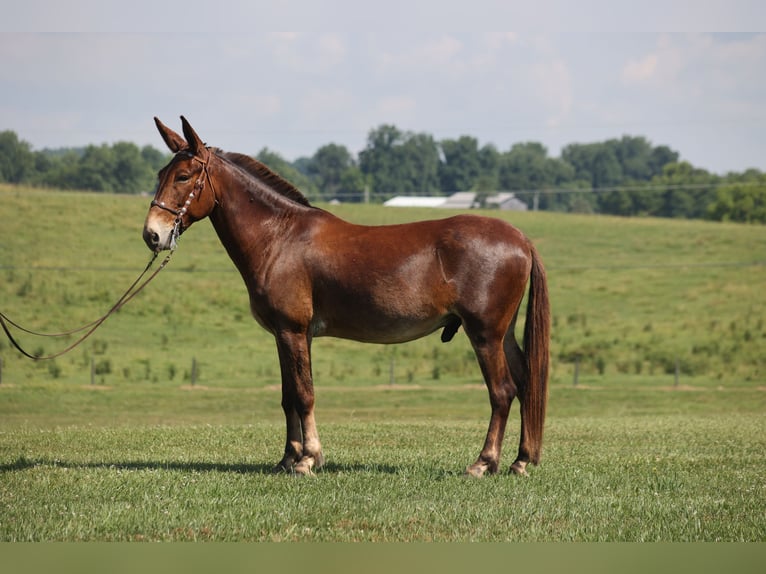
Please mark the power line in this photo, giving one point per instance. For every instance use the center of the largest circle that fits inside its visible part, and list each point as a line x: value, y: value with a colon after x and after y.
x: 628, y: 188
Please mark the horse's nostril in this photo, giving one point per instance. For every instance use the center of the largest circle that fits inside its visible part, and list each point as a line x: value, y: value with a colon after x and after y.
x: 152, y: 239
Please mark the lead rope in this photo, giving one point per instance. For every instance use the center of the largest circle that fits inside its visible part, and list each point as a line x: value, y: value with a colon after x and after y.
x: 131, y: 292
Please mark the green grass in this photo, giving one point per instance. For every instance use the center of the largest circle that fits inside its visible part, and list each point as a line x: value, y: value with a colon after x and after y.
x: 639, y: 478
x: 629, y: 296
x: 142, y: 455
x: 631, y: 461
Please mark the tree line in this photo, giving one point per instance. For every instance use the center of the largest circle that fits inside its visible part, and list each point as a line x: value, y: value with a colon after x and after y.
x: 627, y: 176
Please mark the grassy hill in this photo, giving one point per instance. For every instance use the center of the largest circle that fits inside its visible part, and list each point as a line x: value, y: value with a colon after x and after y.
x: 631, y: 298
x: 143, y: 455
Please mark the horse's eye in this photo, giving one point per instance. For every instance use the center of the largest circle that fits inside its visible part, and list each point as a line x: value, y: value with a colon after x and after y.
x: 182, y: 177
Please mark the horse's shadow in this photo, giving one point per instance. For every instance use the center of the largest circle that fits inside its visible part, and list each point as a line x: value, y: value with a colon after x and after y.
x: 24, y: 463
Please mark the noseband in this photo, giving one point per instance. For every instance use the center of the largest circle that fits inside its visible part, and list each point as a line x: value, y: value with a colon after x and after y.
x: 199, y: 185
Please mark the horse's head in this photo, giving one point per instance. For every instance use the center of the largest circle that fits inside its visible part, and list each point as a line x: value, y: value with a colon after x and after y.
x: 185, y: 192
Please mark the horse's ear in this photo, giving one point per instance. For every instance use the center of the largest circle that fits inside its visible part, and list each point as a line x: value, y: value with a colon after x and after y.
x: 196, y: 145
x: 174, y: 141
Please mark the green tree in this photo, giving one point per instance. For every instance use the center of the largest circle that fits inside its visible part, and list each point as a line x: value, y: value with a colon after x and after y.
x: 461, y: 165
x: 397, y: 162
x: 284, y: 168
x: 684, y: 191
x: 596, y: 163
x: 154, y: 158
x: 130, y: 172
x: 94, y: 170
x: 353, y: 185
x: 327, y: 167
x: 742, y: 198
x: 528, y: 169
x: 17, y: 161
x: 419, y: 160
x: 660, y: 157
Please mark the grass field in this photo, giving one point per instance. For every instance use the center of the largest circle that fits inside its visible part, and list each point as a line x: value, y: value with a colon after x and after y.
x: 143, y: 455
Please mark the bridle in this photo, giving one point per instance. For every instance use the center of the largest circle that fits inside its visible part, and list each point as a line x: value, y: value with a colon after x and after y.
x: 199, y: 185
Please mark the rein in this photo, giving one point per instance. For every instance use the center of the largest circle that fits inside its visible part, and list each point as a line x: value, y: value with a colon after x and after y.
x: 131, y: 292
x: 134, y: 288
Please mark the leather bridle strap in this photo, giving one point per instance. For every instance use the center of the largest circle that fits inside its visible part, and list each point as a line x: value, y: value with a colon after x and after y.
x: 199, y: 185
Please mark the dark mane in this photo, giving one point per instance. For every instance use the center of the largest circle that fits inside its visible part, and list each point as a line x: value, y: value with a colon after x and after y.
x: 263, y: 173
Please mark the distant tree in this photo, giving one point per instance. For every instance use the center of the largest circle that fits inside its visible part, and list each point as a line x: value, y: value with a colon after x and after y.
x: 154, y: 158
x: 420, y: 154
x: 334, y: 173
x: 631, y: 176
x: 277, y: 163
x: 595, y: 163
x: 17, y: 162
x: 95, y: 169
x: 327, y: 167
x: 527, y: 168
x: 353, y: 186
x: 397, y: 162
x: 687, y: 193
x: 660, y: 157
x: 130, y: 172
x: 523, y: 168
x: 378, y: 160
x: 742, y: 198
x: 460, y: 167
x: 489, y: 162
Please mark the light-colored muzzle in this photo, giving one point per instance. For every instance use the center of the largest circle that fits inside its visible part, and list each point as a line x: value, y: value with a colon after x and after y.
x: 159, y: 233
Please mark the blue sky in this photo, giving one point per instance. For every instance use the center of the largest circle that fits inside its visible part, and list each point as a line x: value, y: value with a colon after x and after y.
x: 98, y: 72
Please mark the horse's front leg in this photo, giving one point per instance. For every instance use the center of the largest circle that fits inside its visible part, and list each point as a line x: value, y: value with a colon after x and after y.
x: 303, y: 451
x: 294, y: 442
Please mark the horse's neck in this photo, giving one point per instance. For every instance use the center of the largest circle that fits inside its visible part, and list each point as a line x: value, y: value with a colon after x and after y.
x: 244, y: 217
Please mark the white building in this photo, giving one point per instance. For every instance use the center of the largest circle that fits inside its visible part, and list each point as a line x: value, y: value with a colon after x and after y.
x: 459, y: 200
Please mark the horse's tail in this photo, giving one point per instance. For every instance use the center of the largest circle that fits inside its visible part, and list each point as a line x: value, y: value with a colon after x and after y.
x: 534, y: 396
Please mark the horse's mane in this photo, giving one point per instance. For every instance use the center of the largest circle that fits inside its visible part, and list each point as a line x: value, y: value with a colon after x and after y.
x: 266, y: 175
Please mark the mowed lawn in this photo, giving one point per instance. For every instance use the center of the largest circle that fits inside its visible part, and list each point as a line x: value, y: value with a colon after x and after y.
x: 627, y: 463
x: 662, y: 439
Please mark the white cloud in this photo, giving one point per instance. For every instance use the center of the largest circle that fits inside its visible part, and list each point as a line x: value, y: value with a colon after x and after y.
x: 640, y: 71
x: 662, y: 66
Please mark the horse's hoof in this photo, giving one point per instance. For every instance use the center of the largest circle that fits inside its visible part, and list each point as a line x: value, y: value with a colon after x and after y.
x: 476, y: 470
x: 304, y: 467
x: 519, y: 468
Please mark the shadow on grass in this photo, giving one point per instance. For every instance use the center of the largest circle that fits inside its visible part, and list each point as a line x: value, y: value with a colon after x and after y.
x: 23, y: 463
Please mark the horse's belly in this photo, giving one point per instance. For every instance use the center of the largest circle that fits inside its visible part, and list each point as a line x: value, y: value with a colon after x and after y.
x: 380, y: 328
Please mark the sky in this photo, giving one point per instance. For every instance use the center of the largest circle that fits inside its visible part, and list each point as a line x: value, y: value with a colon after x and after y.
x: 91, y: 72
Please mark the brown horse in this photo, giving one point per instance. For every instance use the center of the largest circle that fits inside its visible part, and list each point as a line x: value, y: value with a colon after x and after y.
x: 311, y: 274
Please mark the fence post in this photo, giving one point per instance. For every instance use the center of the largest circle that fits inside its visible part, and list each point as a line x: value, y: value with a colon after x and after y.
x: 678, y: 369
x: 194, y: 371
x: 92, y: 371
x: 577, y: 370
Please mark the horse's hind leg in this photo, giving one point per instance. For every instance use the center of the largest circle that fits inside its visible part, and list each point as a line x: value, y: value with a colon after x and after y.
x: 517, y: 363
x: 497, y: 375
